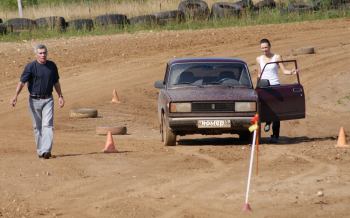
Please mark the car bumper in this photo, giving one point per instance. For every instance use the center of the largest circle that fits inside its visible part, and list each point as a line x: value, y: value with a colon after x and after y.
x: 188, y: 125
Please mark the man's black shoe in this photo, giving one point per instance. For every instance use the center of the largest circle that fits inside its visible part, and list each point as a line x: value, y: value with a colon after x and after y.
x: 46, y: 155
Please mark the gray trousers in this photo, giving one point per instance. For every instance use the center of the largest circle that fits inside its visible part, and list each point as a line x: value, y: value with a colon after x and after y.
x: 42, y: 116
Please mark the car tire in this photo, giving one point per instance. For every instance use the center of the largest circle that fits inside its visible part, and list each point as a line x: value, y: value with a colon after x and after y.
x: 264, y: 4
x: 147, y: 20
x: 3, y: 29
x: 174, y: 16
x: 303, y: 50
x: 81, y: 24
x: 53, y: 23
x: 111, y: 19
x: 194, y: 9
x: 19, y: 24
x: 115, y: 130
x: 168, y: 136
x: 83, y: 113
x: 225, y: 9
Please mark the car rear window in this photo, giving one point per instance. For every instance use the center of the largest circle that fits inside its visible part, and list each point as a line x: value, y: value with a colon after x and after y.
x: 209, y: 74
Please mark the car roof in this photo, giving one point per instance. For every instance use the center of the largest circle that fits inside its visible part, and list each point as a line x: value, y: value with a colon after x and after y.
x: 208, y: 60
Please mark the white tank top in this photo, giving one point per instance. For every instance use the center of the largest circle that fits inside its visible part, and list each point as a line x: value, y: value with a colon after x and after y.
x: 270, y: 71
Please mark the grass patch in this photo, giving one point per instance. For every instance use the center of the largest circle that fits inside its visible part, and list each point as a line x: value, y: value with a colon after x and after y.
x: 249, y: 18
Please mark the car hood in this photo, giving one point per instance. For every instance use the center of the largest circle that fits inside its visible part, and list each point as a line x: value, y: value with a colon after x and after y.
x: 212, y: 93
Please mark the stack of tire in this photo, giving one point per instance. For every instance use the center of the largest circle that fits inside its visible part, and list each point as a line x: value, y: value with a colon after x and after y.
x: 166, y: 17
x: 262, y: 4
x: 80, y: 24
x: 52, y: 23
x: 117, y: 20
x: 20, y: 25
x: 144, y: 20
x: 225, y: 10
x: 3, y: 28
x: 194, y: 9
x: 298, y: 8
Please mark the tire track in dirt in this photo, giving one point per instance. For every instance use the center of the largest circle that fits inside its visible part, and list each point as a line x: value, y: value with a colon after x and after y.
x: 200, y: 187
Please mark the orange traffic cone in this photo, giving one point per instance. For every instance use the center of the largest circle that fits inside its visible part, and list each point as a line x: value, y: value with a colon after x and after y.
x: 342, y: 139
x: 109, y: 147
x: 115, y: 98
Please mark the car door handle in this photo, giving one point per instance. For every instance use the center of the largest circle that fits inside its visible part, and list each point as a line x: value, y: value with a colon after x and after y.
x: 297, y: 90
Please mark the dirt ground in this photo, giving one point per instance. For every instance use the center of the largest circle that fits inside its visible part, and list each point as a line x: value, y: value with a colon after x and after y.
x: 303, y: 176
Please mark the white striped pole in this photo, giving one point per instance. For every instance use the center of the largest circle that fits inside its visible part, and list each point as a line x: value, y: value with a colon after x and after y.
x: 246, y: 206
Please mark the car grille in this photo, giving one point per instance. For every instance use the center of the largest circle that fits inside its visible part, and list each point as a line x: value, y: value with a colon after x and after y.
x: 213, y: 106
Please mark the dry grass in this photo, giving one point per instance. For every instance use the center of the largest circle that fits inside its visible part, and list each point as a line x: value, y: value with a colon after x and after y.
x: 82, y: 10
x: 86, y: 10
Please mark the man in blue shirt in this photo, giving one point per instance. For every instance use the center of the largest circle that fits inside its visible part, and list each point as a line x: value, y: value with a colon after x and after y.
x: 41, y: 76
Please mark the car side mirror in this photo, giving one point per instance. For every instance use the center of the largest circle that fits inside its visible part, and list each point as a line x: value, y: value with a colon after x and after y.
x: 263, y: 83
x: 159, y: 84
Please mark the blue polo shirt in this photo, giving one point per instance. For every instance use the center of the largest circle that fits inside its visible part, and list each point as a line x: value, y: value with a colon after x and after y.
x: 40, y: 77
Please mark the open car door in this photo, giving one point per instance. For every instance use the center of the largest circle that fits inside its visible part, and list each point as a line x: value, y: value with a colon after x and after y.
x: 282, y: 102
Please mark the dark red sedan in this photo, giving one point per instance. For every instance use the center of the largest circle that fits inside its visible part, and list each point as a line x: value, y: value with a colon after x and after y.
x: 216, y: 95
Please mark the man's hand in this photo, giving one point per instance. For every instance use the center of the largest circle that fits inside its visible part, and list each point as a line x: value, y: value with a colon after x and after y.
x: 61, y: 101
x: 14, y: 101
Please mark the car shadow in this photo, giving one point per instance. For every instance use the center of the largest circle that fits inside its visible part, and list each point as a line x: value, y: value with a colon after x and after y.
x: 212, y: 141
x: 284, y: 140
x: 297, y: 140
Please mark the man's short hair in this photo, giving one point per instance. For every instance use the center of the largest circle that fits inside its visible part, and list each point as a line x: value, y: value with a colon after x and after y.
x: 39, y: 46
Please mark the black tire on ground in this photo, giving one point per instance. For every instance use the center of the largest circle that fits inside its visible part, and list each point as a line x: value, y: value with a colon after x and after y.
x: 111, y: 19
x: 298, y: 8
x: 53, y: 23
x: 168, y: 136
x: 245, y: 3
x: 174, y: 16
x: 225, y: 9
x: 148, y: 20
x: 264, y: 4
x: 83, y: 113
x: 81, y: 24
x: 303, y: 50
x: 115, y: 130
x: 21, y: 24
x: 3, y: 29
x: 194, y: 9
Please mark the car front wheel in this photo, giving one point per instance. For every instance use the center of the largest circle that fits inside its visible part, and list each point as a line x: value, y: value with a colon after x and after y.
x: 168, y: 136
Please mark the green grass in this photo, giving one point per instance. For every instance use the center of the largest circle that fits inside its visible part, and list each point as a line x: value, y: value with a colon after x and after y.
x: 268, y: 16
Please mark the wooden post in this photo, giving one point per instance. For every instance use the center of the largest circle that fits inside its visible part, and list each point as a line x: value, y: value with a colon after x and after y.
x: 19, y: 2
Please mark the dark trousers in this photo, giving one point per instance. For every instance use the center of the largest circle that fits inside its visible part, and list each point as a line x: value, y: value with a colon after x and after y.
x: 275, y: 128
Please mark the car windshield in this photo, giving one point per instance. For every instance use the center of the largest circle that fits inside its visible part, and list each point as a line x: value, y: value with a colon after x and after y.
x: 209, y: 74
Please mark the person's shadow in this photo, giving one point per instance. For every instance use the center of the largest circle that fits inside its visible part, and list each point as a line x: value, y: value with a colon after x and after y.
x: 83, y: 154
x: 297, y: 140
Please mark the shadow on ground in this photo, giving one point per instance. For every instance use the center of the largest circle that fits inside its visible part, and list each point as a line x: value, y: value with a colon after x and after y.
x: 264, y: 140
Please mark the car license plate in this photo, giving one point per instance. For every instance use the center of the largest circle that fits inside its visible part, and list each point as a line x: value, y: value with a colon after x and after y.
x: 214, y: 123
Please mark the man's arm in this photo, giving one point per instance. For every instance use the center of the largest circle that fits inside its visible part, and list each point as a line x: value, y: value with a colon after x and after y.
x: 59, y: 92
x: 18, y: 90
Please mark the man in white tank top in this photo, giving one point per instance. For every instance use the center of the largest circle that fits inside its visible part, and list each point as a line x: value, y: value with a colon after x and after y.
x: 271, y: 74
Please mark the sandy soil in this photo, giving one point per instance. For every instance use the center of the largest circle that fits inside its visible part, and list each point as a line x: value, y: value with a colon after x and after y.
x: 201, y: 176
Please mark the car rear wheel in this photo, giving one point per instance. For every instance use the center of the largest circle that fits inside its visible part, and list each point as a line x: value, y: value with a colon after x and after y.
x: 168, y: 136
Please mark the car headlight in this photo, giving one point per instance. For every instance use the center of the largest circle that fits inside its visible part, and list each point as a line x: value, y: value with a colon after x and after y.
x: 245, y: 106
x: 180, y: 107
